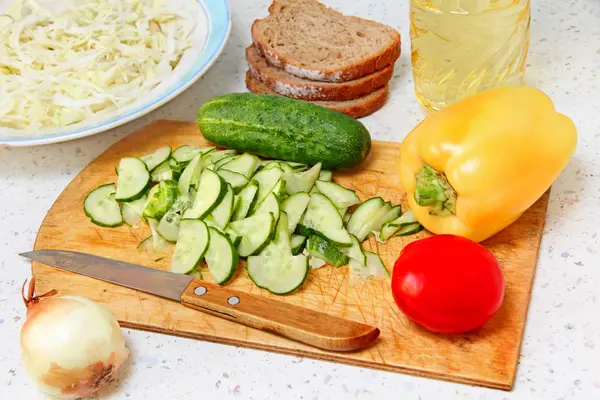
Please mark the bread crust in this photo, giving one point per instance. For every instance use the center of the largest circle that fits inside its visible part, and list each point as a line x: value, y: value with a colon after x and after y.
x: 366, y: 66
x: 356, y: 108
x: 304, y: 89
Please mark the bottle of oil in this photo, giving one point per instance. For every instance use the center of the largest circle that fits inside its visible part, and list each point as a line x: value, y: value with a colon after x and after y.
x: 461, y: 47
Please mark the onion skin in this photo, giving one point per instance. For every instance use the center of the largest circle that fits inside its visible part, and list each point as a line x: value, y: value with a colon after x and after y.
x: 70, y: 345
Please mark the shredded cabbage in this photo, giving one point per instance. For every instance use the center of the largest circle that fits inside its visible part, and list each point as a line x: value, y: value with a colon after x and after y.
x: 95, y: 56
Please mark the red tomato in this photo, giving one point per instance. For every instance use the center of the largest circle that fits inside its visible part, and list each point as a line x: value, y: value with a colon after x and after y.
x: 447, y: 283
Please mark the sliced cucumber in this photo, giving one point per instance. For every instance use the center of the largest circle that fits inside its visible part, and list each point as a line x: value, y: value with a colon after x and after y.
x: 223, y: 161
x: 325, y: 175
x: 279, y: 189
x: 322, y: 217
x: 409, y: 229
x: 266, y: 179
x: 207, y: 150
x: 212, y: 189
x: 355, y: 252
x: 302, y: 181
x: 275, y: 268
x: 163, y: 172
x: 185, y: 153
x: 366, y: 212
x: 233, y: 236
x: 222, y: 213
x: 373, y: 268
x: 181, y: 204
x: 192, y: 243
x: 269, y: 205
x: 237, y: 181
x: 297, y: 243
x: 324, y: 249
x: 218, y: 155
x: 160, y: 198
x: 277, y: 272
x: 247, y: 199
x: 282, y: 235
x: 132, y: 211
x: 221, y: 257
x: 168, y: 226
x: 390, y: 228
x: 394, y: 213
x: 375, y: 265
x: 155, y: 247
x: 341, y: 197
x: 294, y: 206
x: 133, y: 179
x: 375, y: 223
x: 298, y: 167
x: 408, y: 218
x: 176, y: 167
x: 268, y: 164
x: 191, y: 175
x: 158, y: 242
x: 102, y: 208
x: 145, y: 244
x: 196, y: 273
x: 316, y: 262
x: 210, y: 221
x: 347, y: 217
x: 245, y: 164
x: 256, y: 232
x: 192, y: 194
x: 293, y: 165
x: 156, y: 158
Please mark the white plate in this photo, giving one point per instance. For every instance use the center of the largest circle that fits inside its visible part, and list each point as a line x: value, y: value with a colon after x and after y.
x: 209, y: 37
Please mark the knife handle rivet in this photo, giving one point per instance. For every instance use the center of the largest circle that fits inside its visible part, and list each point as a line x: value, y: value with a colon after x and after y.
x: 233, y: 301
x: 200, y: 290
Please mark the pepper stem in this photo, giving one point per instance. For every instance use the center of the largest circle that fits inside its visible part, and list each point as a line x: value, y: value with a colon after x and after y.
x: 434, y: 191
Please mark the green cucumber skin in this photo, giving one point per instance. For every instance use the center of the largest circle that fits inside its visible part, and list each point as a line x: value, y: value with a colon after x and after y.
x: 327, y: 251
x: 284, y: 128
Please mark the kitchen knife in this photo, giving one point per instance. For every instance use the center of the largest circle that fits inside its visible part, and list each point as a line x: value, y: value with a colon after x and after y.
x: 297, y: 323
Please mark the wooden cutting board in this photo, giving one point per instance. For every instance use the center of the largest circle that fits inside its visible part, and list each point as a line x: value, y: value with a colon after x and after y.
x: 487, y: 357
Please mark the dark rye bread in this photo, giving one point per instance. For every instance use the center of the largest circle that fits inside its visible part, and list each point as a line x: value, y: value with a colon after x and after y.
x: 315, y: 42
x: 356, y: 108
x: 290, y: 85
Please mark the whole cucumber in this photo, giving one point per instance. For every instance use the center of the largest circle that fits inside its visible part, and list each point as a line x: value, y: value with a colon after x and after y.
x: 282, y: 128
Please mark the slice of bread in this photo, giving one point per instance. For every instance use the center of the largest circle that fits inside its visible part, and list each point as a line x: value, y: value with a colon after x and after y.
x: 315, y: 42
x: 290, y: 85
x: 356, y: 108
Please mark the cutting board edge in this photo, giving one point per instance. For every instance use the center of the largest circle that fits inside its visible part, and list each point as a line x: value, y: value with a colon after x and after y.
x: 329, y: 357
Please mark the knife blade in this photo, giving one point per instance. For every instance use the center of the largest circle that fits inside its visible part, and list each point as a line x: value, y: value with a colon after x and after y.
x: 301, y: 324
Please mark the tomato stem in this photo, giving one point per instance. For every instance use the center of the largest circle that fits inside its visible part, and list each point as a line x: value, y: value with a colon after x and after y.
x: 434, y: 191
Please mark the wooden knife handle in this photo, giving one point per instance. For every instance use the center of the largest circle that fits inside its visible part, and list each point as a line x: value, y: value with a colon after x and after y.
x: 297, y: 323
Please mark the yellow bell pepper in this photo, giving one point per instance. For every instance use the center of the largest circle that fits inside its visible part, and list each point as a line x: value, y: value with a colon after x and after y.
x: 474, y: 167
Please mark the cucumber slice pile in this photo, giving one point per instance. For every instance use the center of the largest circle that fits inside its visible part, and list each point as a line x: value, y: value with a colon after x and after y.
x: 218, y: 206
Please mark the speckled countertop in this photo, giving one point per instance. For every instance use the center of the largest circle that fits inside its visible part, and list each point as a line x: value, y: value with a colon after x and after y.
x: 561, y: 349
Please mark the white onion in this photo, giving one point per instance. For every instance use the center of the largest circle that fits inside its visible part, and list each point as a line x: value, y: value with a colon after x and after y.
x: 70, y: 345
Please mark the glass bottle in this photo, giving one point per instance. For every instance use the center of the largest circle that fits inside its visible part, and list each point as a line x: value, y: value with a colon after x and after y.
x: 461, y: 47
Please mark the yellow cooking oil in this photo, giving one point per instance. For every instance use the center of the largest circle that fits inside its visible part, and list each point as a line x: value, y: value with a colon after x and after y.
x: 461, y: 47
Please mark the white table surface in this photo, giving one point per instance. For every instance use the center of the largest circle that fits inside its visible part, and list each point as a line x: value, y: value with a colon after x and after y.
x: 561, y: 349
